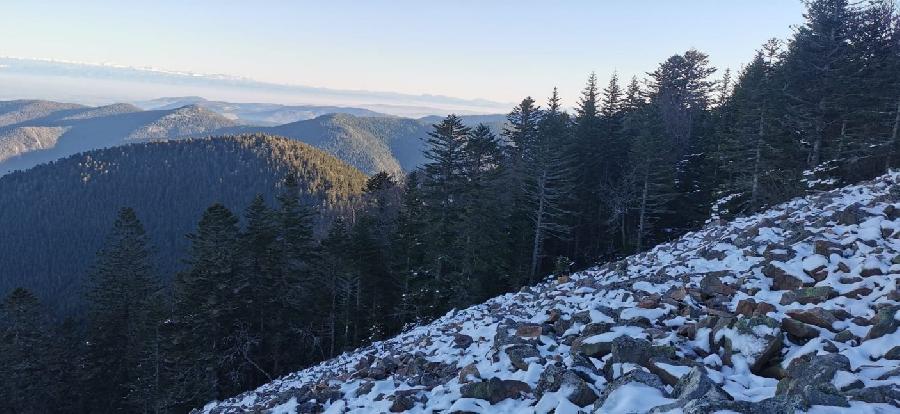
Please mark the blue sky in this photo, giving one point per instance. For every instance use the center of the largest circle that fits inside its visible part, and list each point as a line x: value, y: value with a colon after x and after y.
x: 498, y: 50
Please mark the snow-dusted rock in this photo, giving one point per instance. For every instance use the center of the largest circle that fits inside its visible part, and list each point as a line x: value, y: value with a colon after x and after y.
x: 790, y: 310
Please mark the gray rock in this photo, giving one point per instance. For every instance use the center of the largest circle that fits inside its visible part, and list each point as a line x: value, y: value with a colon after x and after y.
x: 887, y: 394
x: 798, y: 330
x: 808, y: 380
x: 520, y: 354
x: 494, y: 390
x: 637, y: 375
x: 885, y: 323
x: 628, y: 349
x: 817, y: 294
x: 555, y: 378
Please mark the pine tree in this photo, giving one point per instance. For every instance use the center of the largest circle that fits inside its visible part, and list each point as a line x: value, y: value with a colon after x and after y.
x: 24, y: 355
x: 549, y: 182
x: 122, y: 318
x: 208, y: 333
x: 590, y: 163
x: 443, y: 186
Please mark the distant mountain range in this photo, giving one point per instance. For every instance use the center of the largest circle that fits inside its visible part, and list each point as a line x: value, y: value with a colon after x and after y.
x: 266, y: 114
x: 98, y: 84
x: 54, y: 217
x: 34, y: 132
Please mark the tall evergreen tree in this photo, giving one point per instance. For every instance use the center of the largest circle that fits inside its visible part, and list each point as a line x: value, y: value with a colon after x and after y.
x: 24, y: 355
x: 124, y: 311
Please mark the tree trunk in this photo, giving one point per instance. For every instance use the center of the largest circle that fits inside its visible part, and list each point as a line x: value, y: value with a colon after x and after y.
x: 538, y: 228
x: 642, y: 219
x: 754, y: 189
x: 894, y: 137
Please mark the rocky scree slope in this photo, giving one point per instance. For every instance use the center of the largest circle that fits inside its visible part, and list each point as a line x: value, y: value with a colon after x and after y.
x: 791, y: 310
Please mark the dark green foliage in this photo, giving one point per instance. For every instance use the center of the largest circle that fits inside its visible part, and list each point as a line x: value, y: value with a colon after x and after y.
x: 482, y: 216
x: 124, y: 307
x: 54, y: 216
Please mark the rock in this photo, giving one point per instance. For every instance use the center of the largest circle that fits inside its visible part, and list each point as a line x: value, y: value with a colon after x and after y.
x: 780, y: 279
x: 762, y: 308
x: 884, y: 394
x: 519, y: 354
x: 844, y: 336
x: 553, y: 315
x: 596, y: 349
x: 815, y: 316
x: 776, y: 252
x: 697, y: 394
x: 494, y: 390
x: 462, y: 341
x: 817, y: 294
x: 677, y: 294
x: 798, y: 330
x: 628, y: 349
x: 658, y: 367
x: 637, y: 375
x: 827, y: 247
x: 809, y: 380
x: 529, y: 331
x: 711, y: 285
x: 382, y: 368
x: 688, y: 330
x: 871, y: 271
x: 850, y: 215
x: 765, y: 331
x: 402, y: 404
x: 649, y: 302
x: 745, y: 307
x: 884, y: 322
x: 555, y: 378
x: 858, y: 293
x: 469, y: 373
x: 843, y: 267
x: 893, y: 353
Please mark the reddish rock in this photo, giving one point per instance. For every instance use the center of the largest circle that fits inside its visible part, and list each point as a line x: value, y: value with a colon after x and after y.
x: 763, y: 308
x: 826, y: 247
x: 745, y: 307
x: 843, y: 267
x: 798, y: 329
x: 649, y: 302
x: 873, y: 271
x: 815, y: 316
x: 858, y: 293
x: 780, y: 279
x: 469, y: 373
x: 529, y: 331
x: 688, y: 330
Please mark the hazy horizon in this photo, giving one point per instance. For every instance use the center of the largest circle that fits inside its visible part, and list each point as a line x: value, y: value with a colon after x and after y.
x: 491, y: 53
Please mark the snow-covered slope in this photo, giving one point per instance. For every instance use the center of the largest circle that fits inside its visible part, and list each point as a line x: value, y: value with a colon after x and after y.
x: 791, y: 310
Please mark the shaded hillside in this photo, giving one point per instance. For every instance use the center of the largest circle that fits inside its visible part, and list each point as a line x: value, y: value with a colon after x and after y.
x: 45, y: 131
x: 256, y: 113
x: 54, y: 217
x: 789, y: 310
x: 371, y: 144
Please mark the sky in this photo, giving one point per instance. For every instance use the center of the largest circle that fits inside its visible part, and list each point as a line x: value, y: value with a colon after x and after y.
x: 500, y: 50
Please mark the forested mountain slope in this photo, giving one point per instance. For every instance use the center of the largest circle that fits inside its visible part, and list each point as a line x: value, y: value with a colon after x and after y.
x: 256, y: 113
x: 55, y: 217
x: 371, y: 144
x: 34, y: 132
x: 791, y: 309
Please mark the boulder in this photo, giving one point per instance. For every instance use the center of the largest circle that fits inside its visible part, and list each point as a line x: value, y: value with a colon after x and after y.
x: 520, y: 354
x: 884, y: 322
x: 469, y: 373
x: 711, y: 285
x: 628, y: 349
x: 637, y: 375
x: 761, y: 330
x: 882, y: 394
x: 798, y: 330
x: 555, y: 378
x: 817, y: 294
x: 851, y: 215
x: 462, y: 341
x: 809, y: 380
x: 529, y: 331
x: 494, y: 390
x: 815, y: 316
x: 667, y: 369
x: 745, y: 307
x: 762, y: 308
x: 781, y: 280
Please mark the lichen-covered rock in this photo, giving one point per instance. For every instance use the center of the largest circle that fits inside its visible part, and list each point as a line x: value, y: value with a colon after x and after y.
x: 809, y: 380
x: 816, y: 294
x: 885, y: 322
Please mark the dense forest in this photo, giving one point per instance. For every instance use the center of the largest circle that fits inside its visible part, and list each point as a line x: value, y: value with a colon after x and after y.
x: 54, y: 217
x: 638, y: 162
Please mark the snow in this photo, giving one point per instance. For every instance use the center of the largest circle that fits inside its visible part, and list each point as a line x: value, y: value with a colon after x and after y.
x: 610, y: 294
x: 633, y: 397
